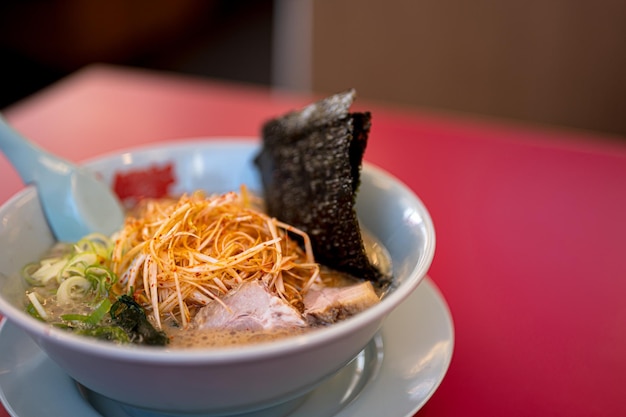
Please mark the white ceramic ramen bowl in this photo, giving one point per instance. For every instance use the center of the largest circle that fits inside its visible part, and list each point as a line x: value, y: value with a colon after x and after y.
x: 262, y: 379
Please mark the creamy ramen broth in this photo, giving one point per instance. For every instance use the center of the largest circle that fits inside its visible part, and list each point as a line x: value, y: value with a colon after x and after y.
x: 48, y: 295
x: 197, y: 338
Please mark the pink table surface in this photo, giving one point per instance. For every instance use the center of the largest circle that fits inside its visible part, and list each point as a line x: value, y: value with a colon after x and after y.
x: 531, y: 225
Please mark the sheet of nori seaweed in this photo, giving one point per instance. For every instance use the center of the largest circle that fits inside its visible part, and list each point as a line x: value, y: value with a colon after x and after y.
x: 310, y: 166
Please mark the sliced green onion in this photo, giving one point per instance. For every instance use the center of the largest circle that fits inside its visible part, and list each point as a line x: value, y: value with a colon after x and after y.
x: 101, y: 277
x: 112, y: 333
x: 97, y: 243
x: 75, y: 317
x: 34, y: 300
x: 76, y: 265
x: 99, y: 312
x: 72, y: 289
x: 82, y: 275
x: 92, y: 319
x: 39, y: 274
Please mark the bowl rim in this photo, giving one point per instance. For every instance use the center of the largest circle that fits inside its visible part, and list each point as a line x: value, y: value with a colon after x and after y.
x: 253, y: 352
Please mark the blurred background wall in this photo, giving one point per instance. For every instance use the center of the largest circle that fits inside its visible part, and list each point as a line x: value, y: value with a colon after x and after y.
x: 44, y: 40
x: 555, y: 62
x: 558, y: 62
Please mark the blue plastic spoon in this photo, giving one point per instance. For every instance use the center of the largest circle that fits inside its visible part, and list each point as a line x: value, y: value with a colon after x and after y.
x: 74, y: 201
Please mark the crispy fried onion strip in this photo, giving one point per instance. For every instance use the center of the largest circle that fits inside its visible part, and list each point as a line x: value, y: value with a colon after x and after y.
x: 176, y: 256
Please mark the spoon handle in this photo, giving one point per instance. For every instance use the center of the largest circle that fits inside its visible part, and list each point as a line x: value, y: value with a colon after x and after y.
x: 23, y: 154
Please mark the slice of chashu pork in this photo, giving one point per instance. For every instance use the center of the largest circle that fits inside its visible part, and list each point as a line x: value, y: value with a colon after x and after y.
x: 253, y: 307
x: 325, y: 305
x: 249, y: 307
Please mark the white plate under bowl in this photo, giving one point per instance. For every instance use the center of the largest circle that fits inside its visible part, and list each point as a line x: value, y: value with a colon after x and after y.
x: 394, y: 376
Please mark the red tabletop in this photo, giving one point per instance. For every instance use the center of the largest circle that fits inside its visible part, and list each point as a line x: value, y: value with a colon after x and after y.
x: 531, y: 225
